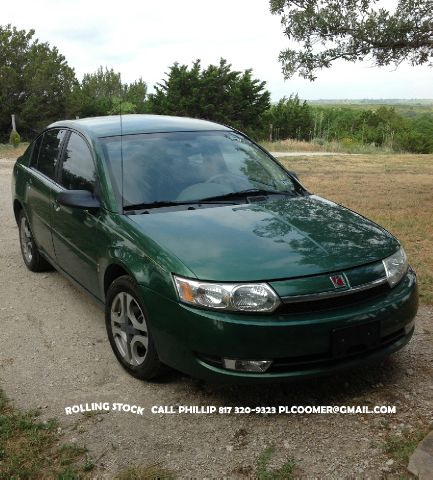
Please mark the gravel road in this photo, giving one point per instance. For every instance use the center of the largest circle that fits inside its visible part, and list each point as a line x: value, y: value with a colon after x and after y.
x: 54, y: 354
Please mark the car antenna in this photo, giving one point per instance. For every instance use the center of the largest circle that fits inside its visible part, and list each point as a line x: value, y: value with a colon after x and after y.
x: 121, y: 143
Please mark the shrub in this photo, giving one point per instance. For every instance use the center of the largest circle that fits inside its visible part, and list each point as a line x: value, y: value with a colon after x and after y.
x: 14, y: 138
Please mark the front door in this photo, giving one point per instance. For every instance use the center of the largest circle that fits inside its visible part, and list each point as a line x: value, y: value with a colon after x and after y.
x: 78, y: 235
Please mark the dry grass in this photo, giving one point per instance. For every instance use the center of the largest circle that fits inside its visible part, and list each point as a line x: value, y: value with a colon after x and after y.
x: 151, y: 472
x: 291, y: 145
x: 344, y: 146
x: 8, y: 151
x: 396, y: 191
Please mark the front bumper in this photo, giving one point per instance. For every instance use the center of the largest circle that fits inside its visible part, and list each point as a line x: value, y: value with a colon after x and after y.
x: 194, y: 341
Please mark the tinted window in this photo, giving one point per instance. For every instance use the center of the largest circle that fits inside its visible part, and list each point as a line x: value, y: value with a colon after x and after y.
x: 49, y: 152
x: 78, y: 170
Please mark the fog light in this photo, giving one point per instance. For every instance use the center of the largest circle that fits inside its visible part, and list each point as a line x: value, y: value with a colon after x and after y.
x: 247, y: 365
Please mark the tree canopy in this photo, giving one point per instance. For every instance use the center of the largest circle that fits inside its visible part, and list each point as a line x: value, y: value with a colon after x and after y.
x: 354, y: 30
x: 34, y: 78
x: 215, y: 93
x: 103, y: 93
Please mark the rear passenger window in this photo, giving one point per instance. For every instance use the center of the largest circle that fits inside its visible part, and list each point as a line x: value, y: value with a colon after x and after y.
x: 78, y: 169
x: 49, y: 152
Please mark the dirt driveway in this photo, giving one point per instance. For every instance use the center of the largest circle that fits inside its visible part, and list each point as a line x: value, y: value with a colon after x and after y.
x: 54, y: 354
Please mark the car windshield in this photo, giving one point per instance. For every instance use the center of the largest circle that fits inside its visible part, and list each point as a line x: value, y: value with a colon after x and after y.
x: 189, y: 166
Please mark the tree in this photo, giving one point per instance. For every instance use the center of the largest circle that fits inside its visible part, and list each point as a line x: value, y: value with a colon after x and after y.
x: 216, y: 93
x: 35, y: 81
x: 291, y: 119
x: 103, y: 93
x: 354, y: 30
x: 98, y: 91
x: 136, y: 93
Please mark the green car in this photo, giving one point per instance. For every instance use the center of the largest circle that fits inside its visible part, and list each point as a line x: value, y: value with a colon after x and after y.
x: 208, y: 255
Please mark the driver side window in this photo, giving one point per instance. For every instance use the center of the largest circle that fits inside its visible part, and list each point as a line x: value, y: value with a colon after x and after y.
x: 78, y: 169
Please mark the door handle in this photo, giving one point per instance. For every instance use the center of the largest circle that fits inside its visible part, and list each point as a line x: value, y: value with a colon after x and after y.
x: 56, y: 206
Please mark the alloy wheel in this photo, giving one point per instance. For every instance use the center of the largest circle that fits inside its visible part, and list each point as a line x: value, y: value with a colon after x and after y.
x: 129, y: 328
x: 26, y: 240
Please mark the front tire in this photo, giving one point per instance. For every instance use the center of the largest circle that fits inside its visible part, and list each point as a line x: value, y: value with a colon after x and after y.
x: 128, y: 330
x: 31, y: 256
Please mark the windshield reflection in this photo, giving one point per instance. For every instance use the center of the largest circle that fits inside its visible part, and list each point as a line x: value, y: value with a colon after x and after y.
x: 183, y: 166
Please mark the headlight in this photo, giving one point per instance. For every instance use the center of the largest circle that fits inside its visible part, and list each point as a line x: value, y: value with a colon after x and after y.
x: 254, y: 297
x: 395, y: 267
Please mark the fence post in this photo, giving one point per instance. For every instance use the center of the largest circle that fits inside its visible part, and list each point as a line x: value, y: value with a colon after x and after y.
x: 270, y: 132
x: 14, y: 127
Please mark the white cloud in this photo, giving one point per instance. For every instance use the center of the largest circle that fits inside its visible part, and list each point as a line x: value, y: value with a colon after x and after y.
x: 143, y: 38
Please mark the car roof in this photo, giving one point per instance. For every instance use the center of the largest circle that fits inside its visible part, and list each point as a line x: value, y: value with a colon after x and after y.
x: 109, y: 126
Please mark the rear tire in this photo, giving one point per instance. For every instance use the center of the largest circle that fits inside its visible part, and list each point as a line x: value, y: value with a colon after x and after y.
x: 128, y: 330
x: 31, y: 256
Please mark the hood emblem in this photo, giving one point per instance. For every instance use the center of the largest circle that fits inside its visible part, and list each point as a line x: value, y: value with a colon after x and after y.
x: 339, y: 281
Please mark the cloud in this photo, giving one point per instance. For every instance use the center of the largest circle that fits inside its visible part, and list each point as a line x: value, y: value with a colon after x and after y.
x: 143, y: 38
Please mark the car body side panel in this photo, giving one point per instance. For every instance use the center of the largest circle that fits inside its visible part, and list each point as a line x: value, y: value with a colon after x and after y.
x: 147, y: 262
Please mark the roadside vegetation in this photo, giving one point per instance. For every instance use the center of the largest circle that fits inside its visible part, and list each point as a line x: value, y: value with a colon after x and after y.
x: 33, y: 449
x: 9, y: 151
x: 401, y: 447
x: 265, y: 472
x: 393, y: 190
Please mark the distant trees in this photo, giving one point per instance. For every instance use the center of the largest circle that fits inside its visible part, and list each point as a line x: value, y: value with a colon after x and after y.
x: 381, y: 126
x: 353, y: 30
x: 215, y: 93
x: 290, y: 118
x: 419, y: 136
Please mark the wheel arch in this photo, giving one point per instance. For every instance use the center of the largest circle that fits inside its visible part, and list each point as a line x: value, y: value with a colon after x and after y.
x: 18, y: 207
x: 112, y: 272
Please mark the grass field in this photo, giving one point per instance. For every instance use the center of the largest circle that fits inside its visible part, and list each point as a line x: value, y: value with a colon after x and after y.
x: 396, y: 191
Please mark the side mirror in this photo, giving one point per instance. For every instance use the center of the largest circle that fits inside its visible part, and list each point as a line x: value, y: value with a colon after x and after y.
x: 78, y: 199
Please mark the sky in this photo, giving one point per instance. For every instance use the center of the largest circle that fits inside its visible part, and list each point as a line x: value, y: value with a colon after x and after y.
x: 143, y: 38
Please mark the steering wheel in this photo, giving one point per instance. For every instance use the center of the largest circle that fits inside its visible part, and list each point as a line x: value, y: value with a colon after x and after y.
x: 218, y: 175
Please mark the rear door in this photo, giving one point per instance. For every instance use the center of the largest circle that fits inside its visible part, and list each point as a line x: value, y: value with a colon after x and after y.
x: 41, y: 187
x: 79, y: 236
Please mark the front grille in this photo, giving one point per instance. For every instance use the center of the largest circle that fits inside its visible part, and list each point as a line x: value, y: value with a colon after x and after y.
x: 334, y: 302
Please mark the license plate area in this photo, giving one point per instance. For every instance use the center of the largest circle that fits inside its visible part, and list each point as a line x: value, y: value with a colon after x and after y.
x: 355, y: 339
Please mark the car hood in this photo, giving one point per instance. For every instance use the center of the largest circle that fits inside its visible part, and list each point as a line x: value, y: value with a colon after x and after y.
x: 271, y: 240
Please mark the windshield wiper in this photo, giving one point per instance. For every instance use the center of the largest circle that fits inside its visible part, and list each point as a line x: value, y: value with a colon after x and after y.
x: 171, y: 203
x: 250, y: 192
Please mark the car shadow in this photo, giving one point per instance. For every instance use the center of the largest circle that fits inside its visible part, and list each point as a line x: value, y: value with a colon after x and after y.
x: 345, y: 387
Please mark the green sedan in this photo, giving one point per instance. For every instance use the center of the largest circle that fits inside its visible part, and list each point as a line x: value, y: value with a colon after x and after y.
x: 209, y: 256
